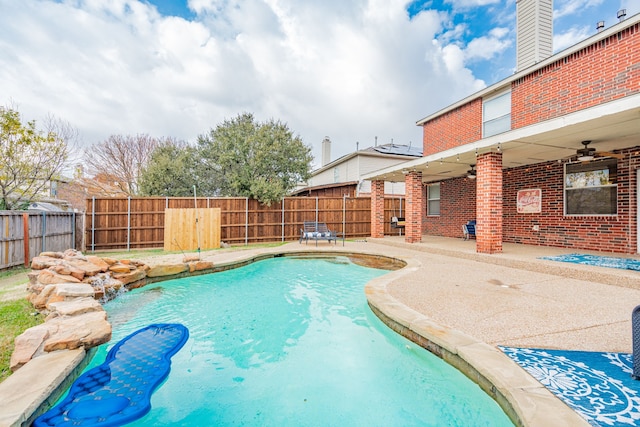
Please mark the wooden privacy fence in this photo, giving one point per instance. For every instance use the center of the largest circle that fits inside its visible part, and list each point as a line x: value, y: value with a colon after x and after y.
x: 42, y: 231
x: 138, y: 222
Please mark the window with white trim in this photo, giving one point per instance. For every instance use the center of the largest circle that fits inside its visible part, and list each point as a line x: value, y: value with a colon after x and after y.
x: 591, y: 188
x: 496, y: 114
x: 433, y: 199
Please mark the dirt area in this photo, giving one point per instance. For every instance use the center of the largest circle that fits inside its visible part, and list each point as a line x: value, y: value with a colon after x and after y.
x: 13, y: 287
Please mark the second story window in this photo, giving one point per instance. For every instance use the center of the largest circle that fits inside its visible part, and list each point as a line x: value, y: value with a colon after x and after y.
x: 496, y: 114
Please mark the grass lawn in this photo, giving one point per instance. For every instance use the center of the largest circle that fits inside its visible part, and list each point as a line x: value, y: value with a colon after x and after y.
x: 16, y: 316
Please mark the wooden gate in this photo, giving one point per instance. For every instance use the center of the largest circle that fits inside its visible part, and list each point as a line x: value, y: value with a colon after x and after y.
x: 191, y: 229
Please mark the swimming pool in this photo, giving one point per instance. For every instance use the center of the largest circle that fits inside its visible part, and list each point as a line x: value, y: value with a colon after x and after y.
x: 292, y: 342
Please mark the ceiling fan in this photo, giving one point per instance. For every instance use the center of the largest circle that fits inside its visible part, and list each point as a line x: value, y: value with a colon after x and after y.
x: 471, y: 173
x: 587, y: 153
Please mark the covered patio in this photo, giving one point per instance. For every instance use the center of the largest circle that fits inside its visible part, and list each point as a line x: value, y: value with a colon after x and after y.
x: 611, y: 127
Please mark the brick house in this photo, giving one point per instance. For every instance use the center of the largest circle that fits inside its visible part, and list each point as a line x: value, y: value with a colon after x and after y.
x: 548, y: 156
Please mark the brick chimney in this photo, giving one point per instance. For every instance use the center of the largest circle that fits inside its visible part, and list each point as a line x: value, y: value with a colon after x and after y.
x: 534, y: 38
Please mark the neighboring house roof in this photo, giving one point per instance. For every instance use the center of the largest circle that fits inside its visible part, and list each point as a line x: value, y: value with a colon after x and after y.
x: 45, y: 206
x: 322, y: 187
x: 400, y: 150
x: 391, y: 151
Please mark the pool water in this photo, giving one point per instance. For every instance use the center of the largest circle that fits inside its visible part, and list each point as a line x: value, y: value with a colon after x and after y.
x: 292, y: 342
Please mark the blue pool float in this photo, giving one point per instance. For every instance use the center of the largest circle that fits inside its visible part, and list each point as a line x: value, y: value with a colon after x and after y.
x: 119, y: 391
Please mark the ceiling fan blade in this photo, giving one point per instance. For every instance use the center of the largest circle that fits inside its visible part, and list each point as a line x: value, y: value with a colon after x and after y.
x: 609, y: 154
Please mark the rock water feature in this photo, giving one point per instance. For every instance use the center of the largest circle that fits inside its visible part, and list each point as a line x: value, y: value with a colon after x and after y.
x: 69, y: 287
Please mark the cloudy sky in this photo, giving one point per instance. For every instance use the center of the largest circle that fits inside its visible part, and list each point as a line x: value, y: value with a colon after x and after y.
x: 352, y: 70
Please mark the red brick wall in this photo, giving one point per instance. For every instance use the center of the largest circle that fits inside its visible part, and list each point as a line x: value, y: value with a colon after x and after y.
x: 377, y: 209
x: 489, y: 203
x: 602, y: 72
x: 601, y: 233
x: 457, y: 206
x: 457, y: 127
x: 415, y: 207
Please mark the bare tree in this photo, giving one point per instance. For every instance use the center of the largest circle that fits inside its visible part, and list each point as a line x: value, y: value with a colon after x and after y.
x: 30, y: 158
x: 121, y: 159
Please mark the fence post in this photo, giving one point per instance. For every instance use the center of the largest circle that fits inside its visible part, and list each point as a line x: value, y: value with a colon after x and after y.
x: 635, y: 326
x: 93, y: 224
x: 246, y: 221
x: 282, y: 215
x: 25, y: 227
x: 73, y: 230
x: 44, y: 231
x: 316, y: 210
x: 129, y: 223
x: 344, y: 215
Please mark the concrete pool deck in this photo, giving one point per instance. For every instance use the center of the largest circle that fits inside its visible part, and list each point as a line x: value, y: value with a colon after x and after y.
x: 461, y: 305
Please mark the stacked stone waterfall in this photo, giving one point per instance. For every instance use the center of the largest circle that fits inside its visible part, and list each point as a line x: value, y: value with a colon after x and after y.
x: 68, y: 288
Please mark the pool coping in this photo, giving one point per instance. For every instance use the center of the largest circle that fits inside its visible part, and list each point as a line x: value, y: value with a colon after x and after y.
x: 524, y: 399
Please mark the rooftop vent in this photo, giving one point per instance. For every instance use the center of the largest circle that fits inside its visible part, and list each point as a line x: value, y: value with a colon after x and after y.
x: 622, y: 13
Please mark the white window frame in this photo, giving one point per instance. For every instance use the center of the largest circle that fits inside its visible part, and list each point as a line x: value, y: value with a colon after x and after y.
x: 496, y: 111
x: 433, y: 199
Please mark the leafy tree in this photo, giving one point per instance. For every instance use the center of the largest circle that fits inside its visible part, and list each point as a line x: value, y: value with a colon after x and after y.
x: 30, y: 158
x: 241, y: 157
x: 121, y: 159
x: 170, y: 171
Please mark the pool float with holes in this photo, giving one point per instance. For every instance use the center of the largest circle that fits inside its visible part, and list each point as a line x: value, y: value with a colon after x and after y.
x: 119, y: 391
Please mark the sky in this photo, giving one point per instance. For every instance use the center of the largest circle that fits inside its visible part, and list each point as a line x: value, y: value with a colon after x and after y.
x: 357, y: 71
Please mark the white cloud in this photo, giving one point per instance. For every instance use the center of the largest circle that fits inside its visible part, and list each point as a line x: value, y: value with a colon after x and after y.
x: 572, y: 7
x: 487, y: 47
x: 468, y: 4
x: 570, y: 37
x: 350, y: 70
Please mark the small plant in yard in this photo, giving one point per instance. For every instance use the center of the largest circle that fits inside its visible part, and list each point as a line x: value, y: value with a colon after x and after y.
x: 17, y: 316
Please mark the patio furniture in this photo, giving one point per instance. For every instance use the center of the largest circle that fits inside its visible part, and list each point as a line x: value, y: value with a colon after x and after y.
x: 318, y: 231
x: 469, y: 230
x: 397, y: 222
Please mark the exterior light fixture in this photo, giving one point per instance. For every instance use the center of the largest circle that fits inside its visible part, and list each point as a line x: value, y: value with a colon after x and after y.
x: 600, y: 26
x: 587, y: 153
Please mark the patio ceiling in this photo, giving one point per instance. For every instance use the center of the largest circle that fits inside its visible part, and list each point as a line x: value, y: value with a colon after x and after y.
x: 611, y: 126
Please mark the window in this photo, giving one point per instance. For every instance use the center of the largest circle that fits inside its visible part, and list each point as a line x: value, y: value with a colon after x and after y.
x: 336, y: 175
x: 433, y: 199
x: 591, y: 188
x: 496, y: 114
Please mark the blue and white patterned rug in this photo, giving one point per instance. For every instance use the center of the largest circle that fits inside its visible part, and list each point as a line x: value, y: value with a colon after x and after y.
x: 598, y: 386
x: 600, y: 261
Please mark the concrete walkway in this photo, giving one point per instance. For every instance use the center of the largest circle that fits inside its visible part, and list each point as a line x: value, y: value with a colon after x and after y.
x: 515, y: 298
